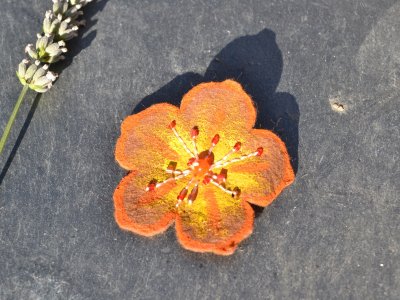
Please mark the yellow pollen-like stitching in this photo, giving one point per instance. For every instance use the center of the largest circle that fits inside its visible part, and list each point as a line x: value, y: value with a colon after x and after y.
x: 195, y: 162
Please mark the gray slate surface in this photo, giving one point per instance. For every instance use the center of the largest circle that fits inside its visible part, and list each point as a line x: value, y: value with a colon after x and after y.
x: 334, y: 234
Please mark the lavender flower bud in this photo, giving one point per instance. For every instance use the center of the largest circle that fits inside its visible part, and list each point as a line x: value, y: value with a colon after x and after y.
x: 31, y: 70
x: 74, y: 13
x: 30, y: 50
x: 22, y: 70
x: 60, y: 6
x: 46, y: 50
x: 67, y: 32
x: 51, y: 23
x: 37, y: 76
x: 80, y: 2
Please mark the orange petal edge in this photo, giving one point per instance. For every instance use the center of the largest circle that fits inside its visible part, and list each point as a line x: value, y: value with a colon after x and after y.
x: 228, y: 247
x: 128, y: 124
x: 288, y: 176
x: 126, y: 223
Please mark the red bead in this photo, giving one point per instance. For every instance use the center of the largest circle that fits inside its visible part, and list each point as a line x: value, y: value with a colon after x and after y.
x: 237, y: 192
x: 237, y: 146
x: 194, y: 132
x: 183, y: 194
x: 206, y: 180
x: 191, y: 161
x: 172, y: 124
x: 260, y: 151
x: 152, y: 185
x: 193, y: 193
x: 221, y: 178
x: 215, y: 139
x: 171, y: 166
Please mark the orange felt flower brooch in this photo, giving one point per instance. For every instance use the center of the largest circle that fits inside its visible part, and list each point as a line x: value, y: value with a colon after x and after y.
x: 199, y: 166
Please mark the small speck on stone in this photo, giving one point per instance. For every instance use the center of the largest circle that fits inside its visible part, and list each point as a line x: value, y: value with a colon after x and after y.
x: 337, y: 105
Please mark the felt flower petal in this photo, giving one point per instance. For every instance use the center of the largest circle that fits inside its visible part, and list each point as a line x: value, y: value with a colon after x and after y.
x: 262, y: 179
x: 146, y: 142
x: 215, y: 222
x: 218, y: 107
x: 142, y: 212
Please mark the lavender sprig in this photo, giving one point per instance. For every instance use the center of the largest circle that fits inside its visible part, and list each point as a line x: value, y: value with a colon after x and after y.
x: 60, y: 24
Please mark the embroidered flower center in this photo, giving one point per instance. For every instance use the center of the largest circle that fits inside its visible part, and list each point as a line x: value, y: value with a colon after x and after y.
x: 200, y: 167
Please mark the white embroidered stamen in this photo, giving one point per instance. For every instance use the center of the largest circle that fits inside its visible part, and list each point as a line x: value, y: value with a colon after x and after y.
x: 235, y: 148
x: 221, y: 164
x: 153, y: 185
x: 232, y: 193
x: 172, y: 127
x: 194, y: 134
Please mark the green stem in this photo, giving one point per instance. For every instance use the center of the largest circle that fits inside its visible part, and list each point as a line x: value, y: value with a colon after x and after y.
x: 11, y: 120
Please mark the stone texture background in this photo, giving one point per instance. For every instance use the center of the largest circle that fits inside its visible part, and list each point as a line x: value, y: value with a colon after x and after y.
x: 334, y: 234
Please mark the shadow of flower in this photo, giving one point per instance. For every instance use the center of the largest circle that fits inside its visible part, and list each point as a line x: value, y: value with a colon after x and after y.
x: 256, y: 62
